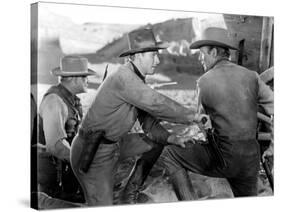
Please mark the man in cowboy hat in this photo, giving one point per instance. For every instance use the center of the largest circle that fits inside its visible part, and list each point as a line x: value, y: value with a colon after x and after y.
x: 121, y: 100
x: 230, y: 94
x: 60, y: 114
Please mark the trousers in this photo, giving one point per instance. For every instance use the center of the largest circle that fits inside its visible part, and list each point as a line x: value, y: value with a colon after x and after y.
x: 242, y: 158
x: 56, y: 179
x: 48, y: 174
x: 98, y: 182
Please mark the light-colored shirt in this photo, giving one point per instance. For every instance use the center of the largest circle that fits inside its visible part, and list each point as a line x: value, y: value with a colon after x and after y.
x: 115, y: 107
x: 54, y: 113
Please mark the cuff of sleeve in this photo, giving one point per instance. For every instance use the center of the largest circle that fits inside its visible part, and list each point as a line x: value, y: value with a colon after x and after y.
x: 195, y: 118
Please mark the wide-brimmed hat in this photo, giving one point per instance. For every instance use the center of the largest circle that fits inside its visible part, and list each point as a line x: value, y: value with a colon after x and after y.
x: 142, y: 40
x: 71, y: 66
x: 214, y: 36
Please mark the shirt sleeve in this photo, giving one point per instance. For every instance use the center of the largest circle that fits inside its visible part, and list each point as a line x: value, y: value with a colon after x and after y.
x: 153, y: 128
x: 137, y: 93
x: 265, y: 97
x: 54, y: 114
x: 199, y: 106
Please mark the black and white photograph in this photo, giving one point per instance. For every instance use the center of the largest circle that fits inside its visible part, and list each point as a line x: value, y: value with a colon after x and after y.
x: 140, y: 105
x: 137, y: 106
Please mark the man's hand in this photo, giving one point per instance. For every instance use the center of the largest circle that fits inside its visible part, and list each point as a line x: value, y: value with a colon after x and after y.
x: 268, y: 152
x: 179, y: 140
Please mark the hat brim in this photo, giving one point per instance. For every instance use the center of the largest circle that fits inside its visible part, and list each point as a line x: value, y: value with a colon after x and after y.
x: 200, y: 43
x: 160, y: 45
x: 58, y: 72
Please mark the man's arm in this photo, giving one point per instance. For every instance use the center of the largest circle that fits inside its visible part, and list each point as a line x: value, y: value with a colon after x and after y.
x: 156, y: 132
x: 265, y: 97
x: 54, y: 114
x: 266, y: 102
x: 153, y: 128
x: 135, y: 92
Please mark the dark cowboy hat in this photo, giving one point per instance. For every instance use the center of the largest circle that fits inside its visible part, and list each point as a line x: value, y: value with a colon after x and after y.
x: 214, y: 36
x: 71, y: 66
x: 142, y: 40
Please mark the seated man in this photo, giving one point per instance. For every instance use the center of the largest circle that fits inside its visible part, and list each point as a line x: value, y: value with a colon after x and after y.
x: 60, y: 114
x: 230, y: 94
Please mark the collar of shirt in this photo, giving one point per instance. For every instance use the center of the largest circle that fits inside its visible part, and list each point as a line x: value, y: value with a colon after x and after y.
x: 218, y: 61
x: 137, y: 72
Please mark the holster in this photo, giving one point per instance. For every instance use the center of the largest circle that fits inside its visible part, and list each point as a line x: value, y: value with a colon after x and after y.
x: 266, y: 165
x: 92, y: 140
x: 59, y: 166
x: 215, y: 150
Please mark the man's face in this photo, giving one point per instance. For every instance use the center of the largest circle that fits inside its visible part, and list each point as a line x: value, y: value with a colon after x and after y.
x: 148, y: 62
x: 81, y: 84
x: 206, y: 57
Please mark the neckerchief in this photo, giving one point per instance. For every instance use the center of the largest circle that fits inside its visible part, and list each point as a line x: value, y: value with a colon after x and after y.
x: 137, y: 72
x: 72, y: 99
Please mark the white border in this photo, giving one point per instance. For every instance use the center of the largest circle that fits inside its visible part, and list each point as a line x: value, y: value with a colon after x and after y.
x: 15, y: 18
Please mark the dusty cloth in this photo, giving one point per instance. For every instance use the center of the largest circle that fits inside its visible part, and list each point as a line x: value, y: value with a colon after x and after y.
x: 122, y: 99
x: 230, y: 94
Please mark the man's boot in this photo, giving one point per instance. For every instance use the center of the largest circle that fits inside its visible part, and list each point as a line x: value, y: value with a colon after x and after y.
x: 182, y: 186
x: 140, y: 172
x: 137, y: 177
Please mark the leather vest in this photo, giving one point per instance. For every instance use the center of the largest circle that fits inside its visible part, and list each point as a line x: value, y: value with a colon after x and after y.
x: 74, y: 112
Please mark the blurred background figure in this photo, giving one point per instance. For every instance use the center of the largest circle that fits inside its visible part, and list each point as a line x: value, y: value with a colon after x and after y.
x: 60, y: 114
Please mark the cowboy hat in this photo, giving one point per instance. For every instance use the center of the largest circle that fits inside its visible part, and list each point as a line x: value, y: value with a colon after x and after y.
x: 214, y: 36
x: 142, y: 40
x: 71, y: 66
